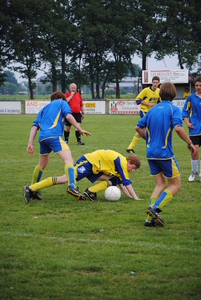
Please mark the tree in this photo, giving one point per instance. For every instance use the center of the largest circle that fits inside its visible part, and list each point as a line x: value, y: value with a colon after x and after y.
x: 5, y: 49
x: 179, y: 32
x: 122, y: 44
x: 25, y: 38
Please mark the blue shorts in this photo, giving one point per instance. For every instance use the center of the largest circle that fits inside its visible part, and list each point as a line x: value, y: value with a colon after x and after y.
x: 54, y: 144
x: 169, y: 167
x: 83, y: 169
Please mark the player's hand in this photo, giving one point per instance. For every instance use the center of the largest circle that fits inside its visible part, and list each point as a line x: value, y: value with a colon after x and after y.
x: 151, y: 105
x: 72, y: 93
x: 85, y: 132
x: 30, y: 149
x: 191, y: 148
x: 190, y: 125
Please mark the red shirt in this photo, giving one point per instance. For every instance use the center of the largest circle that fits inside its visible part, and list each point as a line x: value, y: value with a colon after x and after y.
x: 75, y: 102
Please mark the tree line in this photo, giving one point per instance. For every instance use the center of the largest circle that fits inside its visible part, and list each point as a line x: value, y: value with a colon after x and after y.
x: 93, y: 42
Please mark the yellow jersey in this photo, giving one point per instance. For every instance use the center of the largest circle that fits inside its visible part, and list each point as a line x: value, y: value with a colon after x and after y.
x: 147, y: 95
x: 110, y: 163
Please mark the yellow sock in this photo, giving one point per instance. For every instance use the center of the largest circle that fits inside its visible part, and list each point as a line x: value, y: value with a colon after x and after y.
x: 165, y: 197
x: 37, y: 173
x: 134, y: 142
x: 99, y: 187
x: 151, y: 202
x: 70, y: 174
x: 43, y: 184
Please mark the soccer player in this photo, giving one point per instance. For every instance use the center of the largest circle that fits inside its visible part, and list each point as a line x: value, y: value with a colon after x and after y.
x: 50, y: 121
x: 192, y: 116
x: 147, y: 98
x: 107, y: 166
x: 159, y: 123
x: 75, y: 102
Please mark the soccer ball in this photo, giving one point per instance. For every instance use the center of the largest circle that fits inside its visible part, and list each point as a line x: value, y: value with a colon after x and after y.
x: 112, y: 193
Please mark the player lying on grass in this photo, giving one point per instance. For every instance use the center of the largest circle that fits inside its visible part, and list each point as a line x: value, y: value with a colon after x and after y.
x: 50, y: 123
x: 159, y: 123
x: 107, y: 166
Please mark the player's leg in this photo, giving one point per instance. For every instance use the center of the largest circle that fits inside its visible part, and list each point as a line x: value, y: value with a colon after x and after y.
x: 28, y: 194
x: 133, y: 143
x: 105, y: 182
x: 159, y: 187
x: 194, y: 158
x: 66, y: 156
x: 67, y: 131
x: 170, y: 169
x: 135, y: 138
x: 48, y: 182
x: 78, y: 118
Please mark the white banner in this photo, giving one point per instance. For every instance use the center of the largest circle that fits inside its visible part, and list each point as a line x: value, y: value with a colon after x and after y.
x: 179, y: 103
x: 131, y: 108
x: 173, y: 76
x: 10, y: 107
x: 123, y: 107
x: 33, y: 107
x: 94, y: 107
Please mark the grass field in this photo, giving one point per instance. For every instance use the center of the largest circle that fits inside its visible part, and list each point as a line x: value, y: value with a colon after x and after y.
x: 87, y: 250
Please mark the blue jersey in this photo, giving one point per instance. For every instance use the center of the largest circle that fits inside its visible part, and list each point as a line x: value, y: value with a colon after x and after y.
x: 159, y: 122
x: 50, y: 119
x: 192, y: 110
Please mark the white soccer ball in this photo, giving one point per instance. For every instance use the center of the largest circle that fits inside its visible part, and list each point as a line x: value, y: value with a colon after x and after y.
x: 112, y: 193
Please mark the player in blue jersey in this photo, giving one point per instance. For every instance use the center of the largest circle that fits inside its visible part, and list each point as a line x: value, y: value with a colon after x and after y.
x: 192, y: 116
x: 107, y: 166
x: 156, y: 128
x: 50, y: 123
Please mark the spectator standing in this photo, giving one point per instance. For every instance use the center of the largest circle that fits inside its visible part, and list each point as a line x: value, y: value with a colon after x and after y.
x: 147, y: 98
x: 75, y: 102
x: 186, y: 93
x: 192, y: 117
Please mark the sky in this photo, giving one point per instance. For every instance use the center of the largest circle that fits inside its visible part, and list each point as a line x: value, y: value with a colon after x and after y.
x: 168, y: 63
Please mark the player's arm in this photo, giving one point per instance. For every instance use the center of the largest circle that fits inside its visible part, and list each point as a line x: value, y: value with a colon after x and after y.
x: 185, y: 113
x: 140, y: 131
x: 72, y: 120
x: 188, y: 124
x: 182, y: 134
x: 149, y: 104
x: 32, y: 135
x: 129, y: 191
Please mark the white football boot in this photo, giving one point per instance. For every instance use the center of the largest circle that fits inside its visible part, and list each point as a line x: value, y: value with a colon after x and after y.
x: 191, y: 178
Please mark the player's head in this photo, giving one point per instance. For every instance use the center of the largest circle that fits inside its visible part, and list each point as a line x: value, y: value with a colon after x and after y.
x: 155, y: 82
x: 133, y: 163
x: 167, y: 91
x: 198, y: 84
x: 57, y: 96
x: 73, y: 87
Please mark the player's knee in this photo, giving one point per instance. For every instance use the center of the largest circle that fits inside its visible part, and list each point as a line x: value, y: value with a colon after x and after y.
x: 114, y: 181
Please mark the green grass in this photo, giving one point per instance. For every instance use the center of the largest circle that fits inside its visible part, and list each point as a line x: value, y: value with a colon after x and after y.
x: 87, y: 250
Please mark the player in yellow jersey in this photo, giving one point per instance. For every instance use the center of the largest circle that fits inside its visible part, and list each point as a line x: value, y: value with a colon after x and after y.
x: 147, y: 98
x: 107, y: 166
